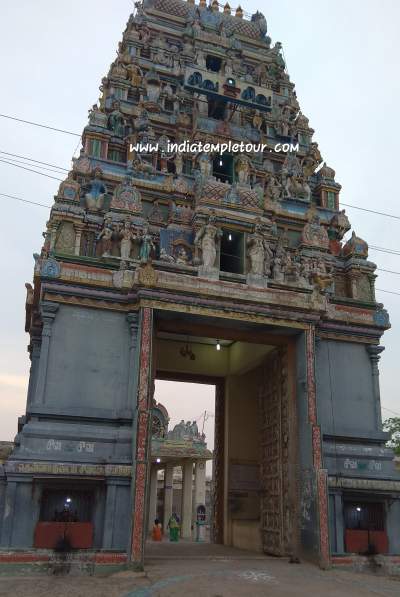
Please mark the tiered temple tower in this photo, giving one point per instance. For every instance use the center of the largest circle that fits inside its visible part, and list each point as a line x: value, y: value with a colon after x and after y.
x: 244, y: 246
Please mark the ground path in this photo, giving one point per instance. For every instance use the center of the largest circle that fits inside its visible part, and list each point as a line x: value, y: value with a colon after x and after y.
x: 190, y: 570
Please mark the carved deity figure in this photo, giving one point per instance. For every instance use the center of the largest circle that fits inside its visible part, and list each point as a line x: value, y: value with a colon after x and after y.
x: 205, y: 164
x: 126, y: 236
x: 201, y: 59
x: 152, y: 85
x: 147, y: 246
x: 314, y: 233
x: 168, y: 91
x: 178, y: 161
x: 305, y: 271
x: 261, y: 74
x: 182, y: 257
x: 273, y: 189
x: 242, y: 169
x: 258, y: 120
x: 136, y: 74
x: 278, y: 269
x: 194, y: 430
x: 116, y: 121
x: 105, y: 238
x: 256, y: 252
x: 311, y: 160
x: 207, y: 239
x: 164, y: 256
x: 94, y: 198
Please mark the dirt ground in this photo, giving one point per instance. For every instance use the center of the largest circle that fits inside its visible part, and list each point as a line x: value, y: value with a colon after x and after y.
x: 227, y: 573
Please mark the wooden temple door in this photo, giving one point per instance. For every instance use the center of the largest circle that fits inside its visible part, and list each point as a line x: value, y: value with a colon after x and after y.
x: 274, y: 405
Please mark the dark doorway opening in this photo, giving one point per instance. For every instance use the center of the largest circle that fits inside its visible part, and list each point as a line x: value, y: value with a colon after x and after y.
x: 217, y: 109
x: 223, y: 168
x: 213, y: 63
x: 231, y: 256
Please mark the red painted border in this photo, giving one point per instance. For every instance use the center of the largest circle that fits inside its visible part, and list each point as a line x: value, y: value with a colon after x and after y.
x: 322, y: 492
x: 31, y: 557
x: 142, y: 441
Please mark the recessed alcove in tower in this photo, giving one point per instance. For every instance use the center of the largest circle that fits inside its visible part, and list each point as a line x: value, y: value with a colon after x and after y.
x: 232, y: 252
x: 223, y: 167
x: 213, y: 63
x: 217, y: 108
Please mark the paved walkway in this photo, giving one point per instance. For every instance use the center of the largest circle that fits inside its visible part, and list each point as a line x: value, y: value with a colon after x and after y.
x: 186, y: 570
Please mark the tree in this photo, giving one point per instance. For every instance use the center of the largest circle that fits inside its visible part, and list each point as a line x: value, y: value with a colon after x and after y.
x: 392, y: 425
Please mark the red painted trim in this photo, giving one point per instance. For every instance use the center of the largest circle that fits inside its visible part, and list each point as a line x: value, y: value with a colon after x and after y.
x: 110, y: 558
x: 142, y: 438
x: 322, y: 492
x: 19, y: 558
x: 25, y: 557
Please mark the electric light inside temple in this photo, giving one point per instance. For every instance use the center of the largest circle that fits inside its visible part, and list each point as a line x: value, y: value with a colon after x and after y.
x: 218, y: 345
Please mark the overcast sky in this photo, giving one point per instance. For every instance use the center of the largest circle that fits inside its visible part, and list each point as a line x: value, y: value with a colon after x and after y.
x: 343, y: 57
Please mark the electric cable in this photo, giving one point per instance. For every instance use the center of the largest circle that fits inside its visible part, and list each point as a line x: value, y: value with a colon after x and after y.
x: 24, y: 157
x: 44, y: 126
x: 30, y: 170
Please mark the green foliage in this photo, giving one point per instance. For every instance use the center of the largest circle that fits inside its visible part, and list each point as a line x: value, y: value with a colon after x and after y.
x: 393, y: 427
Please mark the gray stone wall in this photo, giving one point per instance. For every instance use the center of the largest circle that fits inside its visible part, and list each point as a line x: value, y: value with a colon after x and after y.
x: 81, y: 398
x: 345, y: 390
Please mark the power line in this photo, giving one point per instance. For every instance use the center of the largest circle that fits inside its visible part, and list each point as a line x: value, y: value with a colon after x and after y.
x: 388, y: 271
x: 371, y: 211
x: 387, y: 291
x: 43, y: 126
x: 55, y: 170
x: 24, y: 157
x: 382, y: 250
x: 30, y: 170
x: 390, y: 411
x: 24, y: 200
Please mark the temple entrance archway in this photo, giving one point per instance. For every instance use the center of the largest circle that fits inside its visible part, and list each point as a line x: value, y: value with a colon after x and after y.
x: 256, y: 497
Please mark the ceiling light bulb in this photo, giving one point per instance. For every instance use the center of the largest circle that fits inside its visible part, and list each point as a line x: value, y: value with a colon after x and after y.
x: 218, y: 347
x: 229, y: 236
x: 158, y: 460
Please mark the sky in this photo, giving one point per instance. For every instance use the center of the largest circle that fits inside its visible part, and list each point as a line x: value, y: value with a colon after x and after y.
x: 343, y: 57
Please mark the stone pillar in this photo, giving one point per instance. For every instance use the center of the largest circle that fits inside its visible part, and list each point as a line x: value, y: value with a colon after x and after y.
x: 48, y: 312
x: 34, y: 354
x: 109, y: 516
x: 374, y: 355
x: 168, y: 493
x: 339, y: 523
x: 8, y: 516
x: 153, y: 497
x: 133, y: 321
x: 199, y: 496
x: 53, y: 236
x: 187, y: 485
x: 79, y: 228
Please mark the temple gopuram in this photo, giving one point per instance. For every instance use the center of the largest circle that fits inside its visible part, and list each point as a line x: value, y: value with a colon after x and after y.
x: 228, y: 269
